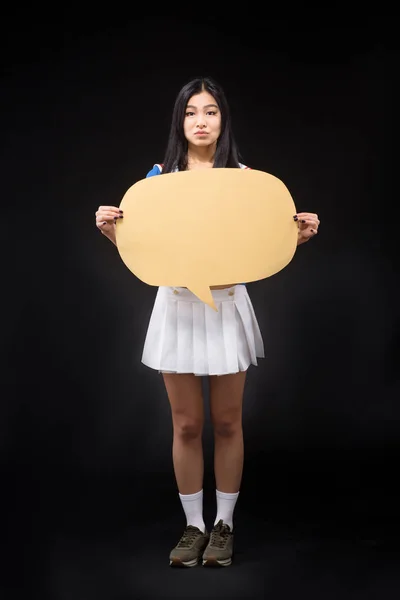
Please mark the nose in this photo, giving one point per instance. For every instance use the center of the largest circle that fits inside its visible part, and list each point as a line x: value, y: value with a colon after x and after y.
x: 201, y: 122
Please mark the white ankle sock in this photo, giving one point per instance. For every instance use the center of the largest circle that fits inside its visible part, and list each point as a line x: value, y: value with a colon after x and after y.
x: 225, y: 507
x: 193, y: 506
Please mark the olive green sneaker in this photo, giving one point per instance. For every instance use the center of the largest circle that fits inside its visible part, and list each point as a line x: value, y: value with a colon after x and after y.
x: 219, y: 550
x: 190, y: 548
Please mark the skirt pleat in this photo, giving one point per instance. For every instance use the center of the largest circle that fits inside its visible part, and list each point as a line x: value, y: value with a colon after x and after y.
x: 247, y: 319
x: 200, y: 349
x: 185, y: 335
x: 230, y: 336
x: 167, y: 342
x: 215, y: 341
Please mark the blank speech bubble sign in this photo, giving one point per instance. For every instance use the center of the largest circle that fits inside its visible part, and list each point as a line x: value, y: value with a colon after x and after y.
x: 207, y: 227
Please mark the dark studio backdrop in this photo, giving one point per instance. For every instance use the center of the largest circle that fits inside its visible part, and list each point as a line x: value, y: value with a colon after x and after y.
x: 86, y: 430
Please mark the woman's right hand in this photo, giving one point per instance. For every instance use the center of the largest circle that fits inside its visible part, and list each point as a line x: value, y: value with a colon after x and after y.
x: 106, y: 217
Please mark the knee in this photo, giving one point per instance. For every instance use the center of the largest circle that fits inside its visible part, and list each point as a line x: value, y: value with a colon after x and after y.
x: 228, y: 427
x: 188, y: 429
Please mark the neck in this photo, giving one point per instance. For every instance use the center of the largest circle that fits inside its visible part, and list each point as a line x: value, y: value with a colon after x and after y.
x: 198, y: 155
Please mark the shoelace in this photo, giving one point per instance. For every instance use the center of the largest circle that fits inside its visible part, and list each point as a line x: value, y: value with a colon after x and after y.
x: 220, y: 535
x: 188, y: 537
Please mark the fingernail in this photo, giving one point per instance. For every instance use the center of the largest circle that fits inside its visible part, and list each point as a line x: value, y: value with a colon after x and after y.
x: 104, y: 222
x: 121, y: 211
x: 302, y: 221
x: 296, y: 218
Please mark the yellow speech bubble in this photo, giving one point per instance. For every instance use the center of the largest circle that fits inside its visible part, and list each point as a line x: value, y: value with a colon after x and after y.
x: 207, y: 227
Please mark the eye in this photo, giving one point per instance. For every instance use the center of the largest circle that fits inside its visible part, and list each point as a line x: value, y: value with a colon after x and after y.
x: 211, y: 112
x: 189, y: 114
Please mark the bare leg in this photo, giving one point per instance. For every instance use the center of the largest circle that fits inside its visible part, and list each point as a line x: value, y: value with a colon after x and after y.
x: 186, y: 400
x: 226, y: 401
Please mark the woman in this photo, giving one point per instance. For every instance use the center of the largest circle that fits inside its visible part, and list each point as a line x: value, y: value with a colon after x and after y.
x: 186, y: 339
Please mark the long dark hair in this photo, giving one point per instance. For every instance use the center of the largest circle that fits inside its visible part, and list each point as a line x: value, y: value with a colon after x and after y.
x: 226, y: 154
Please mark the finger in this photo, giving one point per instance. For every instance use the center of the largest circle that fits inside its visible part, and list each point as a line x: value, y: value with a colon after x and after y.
x: 109, y: 211
x: 109, y: 208
x: 108, y: 216
x: 105, y: 221
x: 102, y: 224
x: 305, y: 215
x: 307, y: 219
x: 309, y: 233
x: 305, y: 223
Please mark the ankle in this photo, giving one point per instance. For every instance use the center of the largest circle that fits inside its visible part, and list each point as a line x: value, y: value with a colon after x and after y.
x: 226, y: 503
x: 192, y: 505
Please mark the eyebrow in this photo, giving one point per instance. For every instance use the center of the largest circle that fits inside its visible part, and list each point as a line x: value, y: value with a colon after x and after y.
x: 206, y: 106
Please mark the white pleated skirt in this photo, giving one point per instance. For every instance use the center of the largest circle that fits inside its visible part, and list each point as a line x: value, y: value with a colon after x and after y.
x: 187, y: 336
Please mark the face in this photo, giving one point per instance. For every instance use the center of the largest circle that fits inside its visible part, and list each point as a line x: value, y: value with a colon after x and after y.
x: 202, y: 124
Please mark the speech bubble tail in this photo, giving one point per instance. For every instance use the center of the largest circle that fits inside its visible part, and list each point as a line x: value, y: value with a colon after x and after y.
x: 204, y: 293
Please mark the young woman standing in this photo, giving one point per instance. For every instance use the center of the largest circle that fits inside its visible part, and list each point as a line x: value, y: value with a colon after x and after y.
x: 186, y: 339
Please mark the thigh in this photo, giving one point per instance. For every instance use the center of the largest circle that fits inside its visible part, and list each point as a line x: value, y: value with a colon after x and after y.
x: 185, y: 395
x: 226, y: 396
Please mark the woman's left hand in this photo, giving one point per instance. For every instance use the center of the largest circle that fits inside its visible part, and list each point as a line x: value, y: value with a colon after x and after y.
x: 308, y: 226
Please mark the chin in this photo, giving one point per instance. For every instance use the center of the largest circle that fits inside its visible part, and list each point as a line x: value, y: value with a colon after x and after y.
x: 201, y: 142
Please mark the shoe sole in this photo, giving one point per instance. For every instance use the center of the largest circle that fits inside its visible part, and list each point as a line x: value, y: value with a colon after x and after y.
x: 177, y: 562
x: 212, y: 562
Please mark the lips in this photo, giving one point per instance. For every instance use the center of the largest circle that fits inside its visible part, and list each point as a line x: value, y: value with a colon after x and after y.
x: 201, y: 133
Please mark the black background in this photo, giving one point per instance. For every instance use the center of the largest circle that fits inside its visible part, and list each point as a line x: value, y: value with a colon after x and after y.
x: 90, y: 502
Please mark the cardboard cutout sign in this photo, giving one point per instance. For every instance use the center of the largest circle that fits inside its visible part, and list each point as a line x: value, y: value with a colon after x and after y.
x: 207, y: 227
